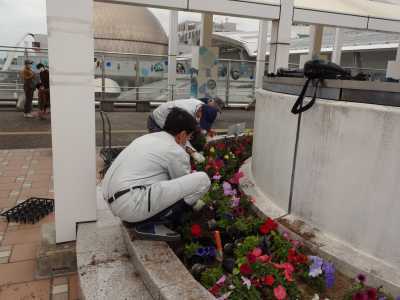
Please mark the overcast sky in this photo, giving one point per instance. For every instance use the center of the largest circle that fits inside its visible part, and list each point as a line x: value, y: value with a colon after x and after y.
x: 18, y: 17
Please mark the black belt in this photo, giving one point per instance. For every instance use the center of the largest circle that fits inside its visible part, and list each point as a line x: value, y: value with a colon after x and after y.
x: 123, y: 192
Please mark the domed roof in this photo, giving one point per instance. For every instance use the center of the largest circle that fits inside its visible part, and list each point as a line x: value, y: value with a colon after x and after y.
x: 126, y: 28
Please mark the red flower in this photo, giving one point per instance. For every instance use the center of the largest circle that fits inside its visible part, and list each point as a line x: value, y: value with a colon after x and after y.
x: 220, y: 146
x: 245, y: 269
x: 280, y: 292
x: 196, y: 230
x: 288, y: 270
x: 269, y: 280
x: 295, y: 258
x: 219, y: 163
x: 215, y: 290
x: 256, y: 282
x: 268, y: 226
x: 372, y: 294
x: 251, y: 258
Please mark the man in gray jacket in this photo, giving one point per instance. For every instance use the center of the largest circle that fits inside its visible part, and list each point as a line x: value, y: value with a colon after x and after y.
x: 150, y: 183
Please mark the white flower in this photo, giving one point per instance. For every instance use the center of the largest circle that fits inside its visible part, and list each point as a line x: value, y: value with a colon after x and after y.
x: 316, y: 297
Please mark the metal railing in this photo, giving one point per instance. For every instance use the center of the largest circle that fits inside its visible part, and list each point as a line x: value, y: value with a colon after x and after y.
x: 133, y: 77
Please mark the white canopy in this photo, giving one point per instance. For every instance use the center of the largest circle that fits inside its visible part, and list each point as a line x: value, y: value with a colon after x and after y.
x: 357, y: 14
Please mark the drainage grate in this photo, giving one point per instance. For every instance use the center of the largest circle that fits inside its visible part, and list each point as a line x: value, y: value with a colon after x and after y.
x: 30, y: 211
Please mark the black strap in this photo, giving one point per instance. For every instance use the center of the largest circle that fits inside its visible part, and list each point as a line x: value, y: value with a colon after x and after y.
x: 298, y: 105
x: 123, y: 192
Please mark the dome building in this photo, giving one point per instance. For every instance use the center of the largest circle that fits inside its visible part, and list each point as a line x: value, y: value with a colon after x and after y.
x: 125, y: 28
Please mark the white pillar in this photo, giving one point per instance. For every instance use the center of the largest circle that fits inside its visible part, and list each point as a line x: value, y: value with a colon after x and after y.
x: 393, y: 68
x: 172, y: 52
x: 280, y: 38
x: 316, y: 34
x: 337, y: 49
x: 206, y: 30
x: 261, y: 51
x: 71, y: 56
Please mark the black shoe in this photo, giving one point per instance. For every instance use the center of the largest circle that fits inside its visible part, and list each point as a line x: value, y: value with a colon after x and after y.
x: 155, y: 232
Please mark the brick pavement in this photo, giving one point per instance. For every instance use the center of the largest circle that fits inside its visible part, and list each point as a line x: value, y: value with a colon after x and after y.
x: 25, y: 173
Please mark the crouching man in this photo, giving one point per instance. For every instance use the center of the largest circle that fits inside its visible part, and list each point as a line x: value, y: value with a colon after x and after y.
x: 150, y: 183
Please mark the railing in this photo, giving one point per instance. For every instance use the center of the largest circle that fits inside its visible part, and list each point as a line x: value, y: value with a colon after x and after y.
x: 133, y: 77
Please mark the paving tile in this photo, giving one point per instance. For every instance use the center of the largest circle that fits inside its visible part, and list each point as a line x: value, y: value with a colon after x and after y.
x: 5, y: 253
x: 60, y: 289
x: 17, y: 272
x: 24, y: 252
x: 31, y: 290
x: 23, y: 236
x: 74, y: 288
x: 10, y: 186
x: 60, y: 281
x: 7, y: 179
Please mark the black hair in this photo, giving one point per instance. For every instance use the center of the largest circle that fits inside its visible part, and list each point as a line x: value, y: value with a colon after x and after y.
x: 39, y: 65
x: 179, y: 120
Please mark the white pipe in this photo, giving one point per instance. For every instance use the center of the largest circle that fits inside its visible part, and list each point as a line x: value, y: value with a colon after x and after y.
x: 261, y: 51
x: 172, y: 52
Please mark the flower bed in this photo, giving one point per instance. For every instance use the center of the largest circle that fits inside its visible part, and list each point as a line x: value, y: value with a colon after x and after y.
x: 236, y: 255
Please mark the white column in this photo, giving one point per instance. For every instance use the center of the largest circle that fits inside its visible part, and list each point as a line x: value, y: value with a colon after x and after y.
x: 393, y: 68
x: 261, y: 51
x: 206, y: 30
x: 172, y: 52
x: 337, y: 49
x: 71, y: 56
x: 280, y: 38
x: 316, y: 34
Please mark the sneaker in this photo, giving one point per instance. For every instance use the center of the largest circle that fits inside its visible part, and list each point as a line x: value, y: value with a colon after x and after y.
x: 155, y: 232
x: 29, y: 115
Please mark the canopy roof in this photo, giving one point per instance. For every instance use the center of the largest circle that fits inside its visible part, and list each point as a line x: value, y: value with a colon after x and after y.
x: 357, y: 14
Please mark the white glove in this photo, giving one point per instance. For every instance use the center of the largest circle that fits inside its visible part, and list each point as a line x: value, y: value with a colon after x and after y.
x: 198, y: 205
x: 199, y: 158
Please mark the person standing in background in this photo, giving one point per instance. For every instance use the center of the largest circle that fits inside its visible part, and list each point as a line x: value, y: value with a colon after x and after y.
x: 45, y: 80
x: 28, y: 77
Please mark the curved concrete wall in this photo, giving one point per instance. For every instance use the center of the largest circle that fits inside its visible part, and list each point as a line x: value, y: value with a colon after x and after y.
x: 347, y: 176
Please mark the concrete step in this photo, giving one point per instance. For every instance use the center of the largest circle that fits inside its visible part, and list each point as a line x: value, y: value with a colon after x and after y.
x: 105, y: 271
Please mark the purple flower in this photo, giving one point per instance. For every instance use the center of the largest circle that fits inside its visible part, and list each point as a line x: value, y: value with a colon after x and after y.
x: 202, y: 251
x: 398, y: 298
x: 329, y: 271
x: 216, y: 177
x: 211, y: 251
x: 383, y: 298
x: 316, y: 266
x: 235, y: 201
x: 227, y: 188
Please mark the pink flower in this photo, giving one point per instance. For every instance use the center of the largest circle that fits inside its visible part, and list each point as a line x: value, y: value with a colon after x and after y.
x: 235, y: 179
x: 280, y: 292
x: 263, y: 258
x: 256, y: 252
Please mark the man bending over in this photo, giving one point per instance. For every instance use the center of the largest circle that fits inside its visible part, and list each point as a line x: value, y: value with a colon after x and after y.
x: 150, y: 183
